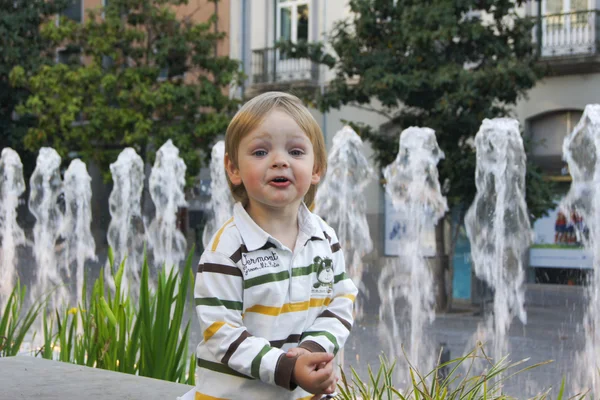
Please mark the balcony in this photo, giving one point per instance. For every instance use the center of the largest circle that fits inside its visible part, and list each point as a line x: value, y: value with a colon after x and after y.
x: 272, y: 70
x: 569, y: 42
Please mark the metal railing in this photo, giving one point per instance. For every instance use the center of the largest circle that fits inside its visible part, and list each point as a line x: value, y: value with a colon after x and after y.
x: 565, y: 34
x: 270, y: 65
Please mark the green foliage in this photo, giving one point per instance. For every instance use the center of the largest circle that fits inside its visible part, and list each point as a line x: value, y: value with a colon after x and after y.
x: 437, y: 386
x: 163, y: 349
x: 139, y: 76
x: 118, y: 336
x: 13, y: 325
x: 434, y: 63
x: 22, y: 44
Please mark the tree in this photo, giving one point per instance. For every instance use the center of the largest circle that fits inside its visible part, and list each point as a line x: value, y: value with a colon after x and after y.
x: 22, y: 44
x: 137, y: 77
x: 443, y: 64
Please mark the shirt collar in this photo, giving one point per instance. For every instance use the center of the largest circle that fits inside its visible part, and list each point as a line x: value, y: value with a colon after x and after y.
x: 255, y: 237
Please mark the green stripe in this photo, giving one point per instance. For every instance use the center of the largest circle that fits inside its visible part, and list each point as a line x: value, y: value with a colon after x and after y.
x: 213, y: 301
x: 340, y: 277
x: 328, y: 335
x: 302, y: 271
x: 255, y: 369
x: 221, y: 368
x: 266, y: 278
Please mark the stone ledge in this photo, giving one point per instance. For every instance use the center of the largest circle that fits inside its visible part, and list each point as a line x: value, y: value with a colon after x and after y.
x: 35, y: 378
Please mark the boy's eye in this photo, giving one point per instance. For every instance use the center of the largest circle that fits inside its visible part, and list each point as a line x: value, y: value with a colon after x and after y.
x: 259, y: 153
x: 296, y: 152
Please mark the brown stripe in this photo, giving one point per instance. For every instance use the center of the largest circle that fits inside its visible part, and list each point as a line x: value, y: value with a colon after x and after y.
x: 312, y: 346
x: 234, y: 346
x: 283, y: 372
x: 237, y: 256
x: 329, y: 314
x: 335, y: 247
x: 312, y: 238
x: 290, y: 339
x: 268, y: 245
x: 219, y: 269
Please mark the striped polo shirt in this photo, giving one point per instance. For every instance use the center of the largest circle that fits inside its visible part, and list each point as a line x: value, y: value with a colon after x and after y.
x: 255, y: 299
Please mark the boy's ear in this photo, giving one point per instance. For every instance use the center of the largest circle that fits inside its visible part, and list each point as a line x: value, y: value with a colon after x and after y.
x: 316, y: 176
x: 232, y: 170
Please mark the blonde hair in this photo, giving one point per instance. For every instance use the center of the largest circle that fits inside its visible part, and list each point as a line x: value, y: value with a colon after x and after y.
x: 252, y: 114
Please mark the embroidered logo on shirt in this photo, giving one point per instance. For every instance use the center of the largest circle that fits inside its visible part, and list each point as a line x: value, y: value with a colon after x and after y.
x: 324, y: 268
x: 254, y: 263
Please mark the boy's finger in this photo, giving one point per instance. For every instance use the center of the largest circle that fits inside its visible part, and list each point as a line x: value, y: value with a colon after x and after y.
x: 291, y: 353
x: 318, y: 358
x: 322, y: 376
x: 325, y: 386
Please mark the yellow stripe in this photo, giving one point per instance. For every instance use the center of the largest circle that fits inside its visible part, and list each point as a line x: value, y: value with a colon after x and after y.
x: 219, y: 233
x: 200, y: 396
x: 305, y: 398
x: 211, y: 330
x: 320, y: 302
x: 289, y: 307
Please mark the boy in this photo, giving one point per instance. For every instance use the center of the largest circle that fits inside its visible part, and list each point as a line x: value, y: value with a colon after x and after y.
x: 258, y: 294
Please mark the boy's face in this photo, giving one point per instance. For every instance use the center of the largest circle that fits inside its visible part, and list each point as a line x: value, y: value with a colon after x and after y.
x: 275, y: 163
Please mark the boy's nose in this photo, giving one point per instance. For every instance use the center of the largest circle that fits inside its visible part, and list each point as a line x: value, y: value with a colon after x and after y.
x: 280, y: 163
x: 279, y: 160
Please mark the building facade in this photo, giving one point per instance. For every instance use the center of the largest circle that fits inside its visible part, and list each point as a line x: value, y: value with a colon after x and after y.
x: 567, y: 34
x: 566, y: 31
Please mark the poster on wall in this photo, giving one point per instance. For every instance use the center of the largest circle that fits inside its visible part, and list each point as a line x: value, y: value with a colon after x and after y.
x: 395, y: 227
x: 558, y: 242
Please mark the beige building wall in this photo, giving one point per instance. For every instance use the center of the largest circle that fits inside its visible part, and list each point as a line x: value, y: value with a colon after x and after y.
x: 323, y: 15
x: 197, y: 10
x: 559, y: 93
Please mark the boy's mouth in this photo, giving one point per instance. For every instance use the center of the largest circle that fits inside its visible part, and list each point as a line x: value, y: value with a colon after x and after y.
x: 280, y: 182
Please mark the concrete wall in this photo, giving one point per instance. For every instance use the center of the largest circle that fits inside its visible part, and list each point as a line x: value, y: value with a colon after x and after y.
x: 559, y: 93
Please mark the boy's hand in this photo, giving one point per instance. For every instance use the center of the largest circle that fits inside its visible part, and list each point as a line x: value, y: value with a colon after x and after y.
x: 313, y: 380
x: 296, y: 351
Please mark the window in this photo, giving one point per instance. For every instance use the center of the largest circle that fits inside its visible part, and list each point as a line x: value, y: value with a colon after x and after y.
x: 74, y: 10
x: 565, y: 6
x: 293, y: 20
x: 547, y: 132
x: 70, y: 55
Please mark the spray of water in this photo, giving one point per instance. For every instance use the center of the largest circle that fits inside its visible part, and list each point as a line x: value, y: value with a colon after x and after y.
x: 126, y: 232
x: 221, y: 200
x: 340, y: 200
x: 580, y: 150
x: 498, y: 226
x: 167, y: 182
x: 46, y: 188
x: 76, y: 228
x: 412, y: 184
x: 12, y: 187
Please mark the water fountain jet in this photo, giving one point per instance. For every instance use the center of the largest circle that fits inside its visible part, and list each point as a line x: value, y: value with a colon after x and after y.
x: 12, y: 186
x: 413, y: 186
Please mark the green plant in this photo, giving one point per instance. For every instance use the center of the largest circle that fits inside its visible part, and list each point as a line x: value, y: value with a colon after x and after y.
x: 14, y: 326
x: 108, y: 331
x: 434, y: 386
x: 162, y: 350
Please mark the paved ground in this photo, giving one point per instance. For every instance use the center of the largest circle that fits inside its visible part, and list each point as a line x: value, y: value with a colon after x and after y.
x: 551, y: 333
